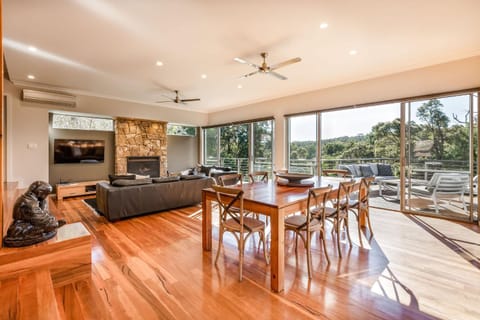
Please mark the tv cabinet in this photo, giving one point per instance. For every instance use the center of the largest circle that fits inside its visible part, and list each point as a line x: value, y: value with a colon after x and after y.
x: 76, y: 189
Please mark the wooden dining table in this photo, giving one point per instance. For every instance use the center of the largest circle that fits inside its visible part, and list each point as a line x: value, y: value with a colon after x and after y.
x: 276, y: 201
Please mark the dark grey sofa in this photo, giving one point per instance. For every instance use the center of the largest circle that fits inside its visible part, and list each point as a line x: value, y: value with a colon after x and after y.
x: 380, y: 171
x: 117, y: 202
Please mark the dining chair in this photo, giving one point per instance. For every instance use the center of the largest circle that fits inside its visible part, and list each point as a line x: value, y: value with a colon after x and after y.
x: 258, y: 176
x: 339, y: 213
x: 236, y: 222
x: 230, y: 179
x: 335, y: 173
x: 362, y: 205
x: 312, y: 221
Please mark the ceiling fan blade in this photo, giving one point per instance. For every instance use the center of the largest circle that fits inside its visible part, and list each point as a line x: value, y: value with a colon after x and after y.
x: 249, y: 74
x: 164, y: 101
x: 240, y: 60
x: 277, y: 75
x: 189, y: 100
x: 285, y: 63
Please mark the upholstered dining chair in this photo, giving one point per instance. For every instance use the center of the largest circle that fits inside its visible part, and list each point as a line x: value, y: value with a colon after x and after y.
x: 313, y: 221
x: 236, y: 222
x: 339, y: 213
x: 361, y: 204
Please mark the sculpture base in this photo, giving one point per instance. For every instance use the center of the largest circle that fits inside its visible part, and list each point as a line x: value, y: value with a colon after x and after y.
x: 16, y: 242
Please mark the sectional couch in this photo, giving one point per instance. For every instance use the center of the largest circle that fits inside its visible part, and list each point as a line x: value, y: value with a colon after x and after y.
x: 127, y: 198
x: 380, y: 171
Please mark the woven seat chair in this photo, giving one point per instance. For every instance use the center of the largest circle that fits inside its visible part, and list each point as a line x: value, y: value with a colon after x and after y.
x: 236, y: 222
x: 362, y: 204
x: 312, y: 222
x: 339, y: 213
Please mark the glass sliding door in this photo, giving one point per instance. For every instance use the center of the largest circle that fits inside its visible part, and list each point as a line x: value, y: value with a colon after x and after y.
x: 302, y: 144
x: 243, y: 147
x: 365, y: 141
x: 440, y: 168
x: 262, y: 146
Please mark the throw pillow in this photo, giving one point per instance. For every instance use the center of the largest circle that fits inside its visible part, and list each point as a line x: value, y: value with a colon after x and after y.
x: 140, y: 176
x: 366, y: 170
x: 127, y: 183
x: 349, y: 168
x: 166, y: 179
x: 384, y: 170
x: 113, y: 177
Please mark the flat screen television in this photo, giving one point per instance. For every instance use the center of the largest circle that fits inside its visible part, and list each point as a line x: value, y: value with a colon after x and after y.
x: 78, y: 151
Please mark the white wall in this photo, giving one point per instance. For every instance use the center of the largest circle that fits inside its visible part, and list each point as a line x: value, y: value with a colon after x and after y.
x: 27, y: 125
x: 456, y: 75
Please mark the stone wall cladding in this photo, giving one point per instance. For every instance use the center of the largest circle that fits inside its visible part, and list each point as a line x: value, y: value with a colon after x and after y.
x: 138, y: 138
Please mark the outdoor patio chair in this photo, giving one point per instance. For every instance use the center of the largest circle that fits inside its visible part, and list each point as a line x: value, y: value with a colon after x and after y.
x: 313, y: 221
x: 236, y: 223
x: 447, y: 185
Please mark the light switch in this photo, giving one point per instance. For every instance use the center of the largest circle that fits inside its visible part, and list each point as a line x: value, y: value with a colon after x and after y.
x: 32, y: 146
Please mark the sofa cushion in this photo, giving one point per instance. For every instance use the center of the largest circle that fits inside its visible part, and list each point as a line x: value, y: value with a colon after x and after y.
x: 127, y: 183
x: 204, y: 169
x: 191, y: 177
x: 113, y: 177
x: 384, y: 169
x: 347, y: 167
x: 366, y: 170
x: 374, y: 168
x: 166, y: 179
x: 226, y: 169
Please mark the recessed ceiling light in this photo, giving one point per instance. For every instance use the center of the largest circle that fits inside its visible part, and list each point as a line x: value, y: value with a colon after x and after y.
x: 239, y: 86
x: 32, y: 48
x: 352, y: 52
x: 31, y: 76
x: 159, y: 63
x: 323, y: 25
x: 204, y: 76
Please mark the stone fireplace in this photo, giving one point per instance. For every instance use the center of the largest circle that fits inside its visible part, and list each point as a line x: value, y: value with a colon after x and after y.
x: 144, y: 166
x: 136, y: 138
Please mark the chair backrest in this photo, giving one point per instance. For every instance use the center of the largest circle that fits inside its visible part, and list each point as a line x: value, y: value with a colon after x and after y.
x: 230, y: 179
x: 335, y: 172
x: 450, y: 183
x: 261, y: 176
x: 343, y: 196
x: 317, y: 198
x: 364, y: 189
x: 226, y: 198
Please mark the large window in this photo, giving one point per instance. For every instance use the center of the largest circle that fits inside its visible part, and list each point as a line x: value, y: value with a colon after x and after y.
x: 244, y: 147
x: 302, y: 145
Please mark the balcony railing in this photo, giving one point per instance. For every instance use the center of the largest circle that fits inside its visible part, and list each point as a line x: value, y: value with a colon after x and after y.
x: 241, y: 165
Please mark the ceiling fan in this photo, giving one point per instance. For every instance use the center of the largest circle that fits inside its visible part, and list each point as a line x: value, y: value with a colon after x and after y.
x: 264, y: 68
x: 177, y: 99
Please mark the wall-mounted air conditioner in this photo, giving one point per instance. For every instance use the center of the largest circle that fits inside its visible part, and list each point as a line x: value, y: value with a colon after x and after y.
x: 48, y: 97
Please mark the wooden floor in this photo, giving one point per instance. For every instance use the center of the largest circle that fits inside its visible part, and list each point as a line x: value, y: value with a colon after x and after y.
x: 153, y: 267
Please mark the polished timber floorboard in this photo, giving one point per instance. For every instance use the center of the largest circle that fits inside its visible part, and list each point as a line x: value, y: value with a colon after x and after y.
x: 153, y: 267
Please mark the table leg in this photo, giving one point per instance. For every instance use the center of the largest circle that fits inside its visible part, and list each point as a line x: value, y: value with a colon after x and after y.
x: 206, y: 223
x: 277, y: 253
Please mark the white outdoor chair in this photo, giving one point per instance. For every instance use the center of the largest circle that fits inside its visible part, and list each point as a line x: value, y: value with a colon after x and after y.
x: 448, y: 185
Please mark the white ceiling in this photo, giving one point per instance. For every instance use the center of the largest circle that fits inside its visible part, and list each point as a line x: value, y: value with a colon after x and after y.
x: 109, y: 47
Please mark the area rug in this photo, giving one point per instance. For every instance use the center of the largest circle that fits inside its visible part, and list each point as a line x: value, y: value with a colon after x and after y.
x: 92, y: 204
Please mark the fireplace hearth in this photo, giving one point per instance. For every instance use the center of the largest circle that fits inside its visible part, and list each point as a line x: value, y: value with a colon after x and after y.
x: 144, y: 166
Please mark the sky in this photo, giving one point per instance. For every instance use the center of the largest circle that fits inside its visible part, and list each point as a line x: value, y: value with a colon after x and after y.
x: 351, y: 122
